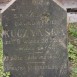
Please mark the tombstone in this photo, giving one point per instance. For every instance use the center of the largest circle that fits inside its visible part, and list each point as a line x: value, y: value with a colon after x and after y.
x: 35, y: 39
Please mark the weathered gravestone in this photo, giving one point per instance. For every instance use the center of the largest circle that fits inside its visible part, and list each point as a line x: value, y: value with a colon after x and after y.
x: 35, y: 39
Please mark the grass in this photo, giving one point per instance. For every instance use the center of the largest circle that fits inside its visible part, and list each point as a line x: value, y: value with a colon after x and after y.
x: 1, y: 54
x: 2, y: 74
x: 72, y: 48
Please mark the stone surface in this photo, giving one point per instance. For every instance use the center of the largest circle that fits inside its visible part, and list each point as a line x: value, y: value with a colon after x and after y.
x: 4, y: 1
x: 35, y: 39
x: 68, y: 3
